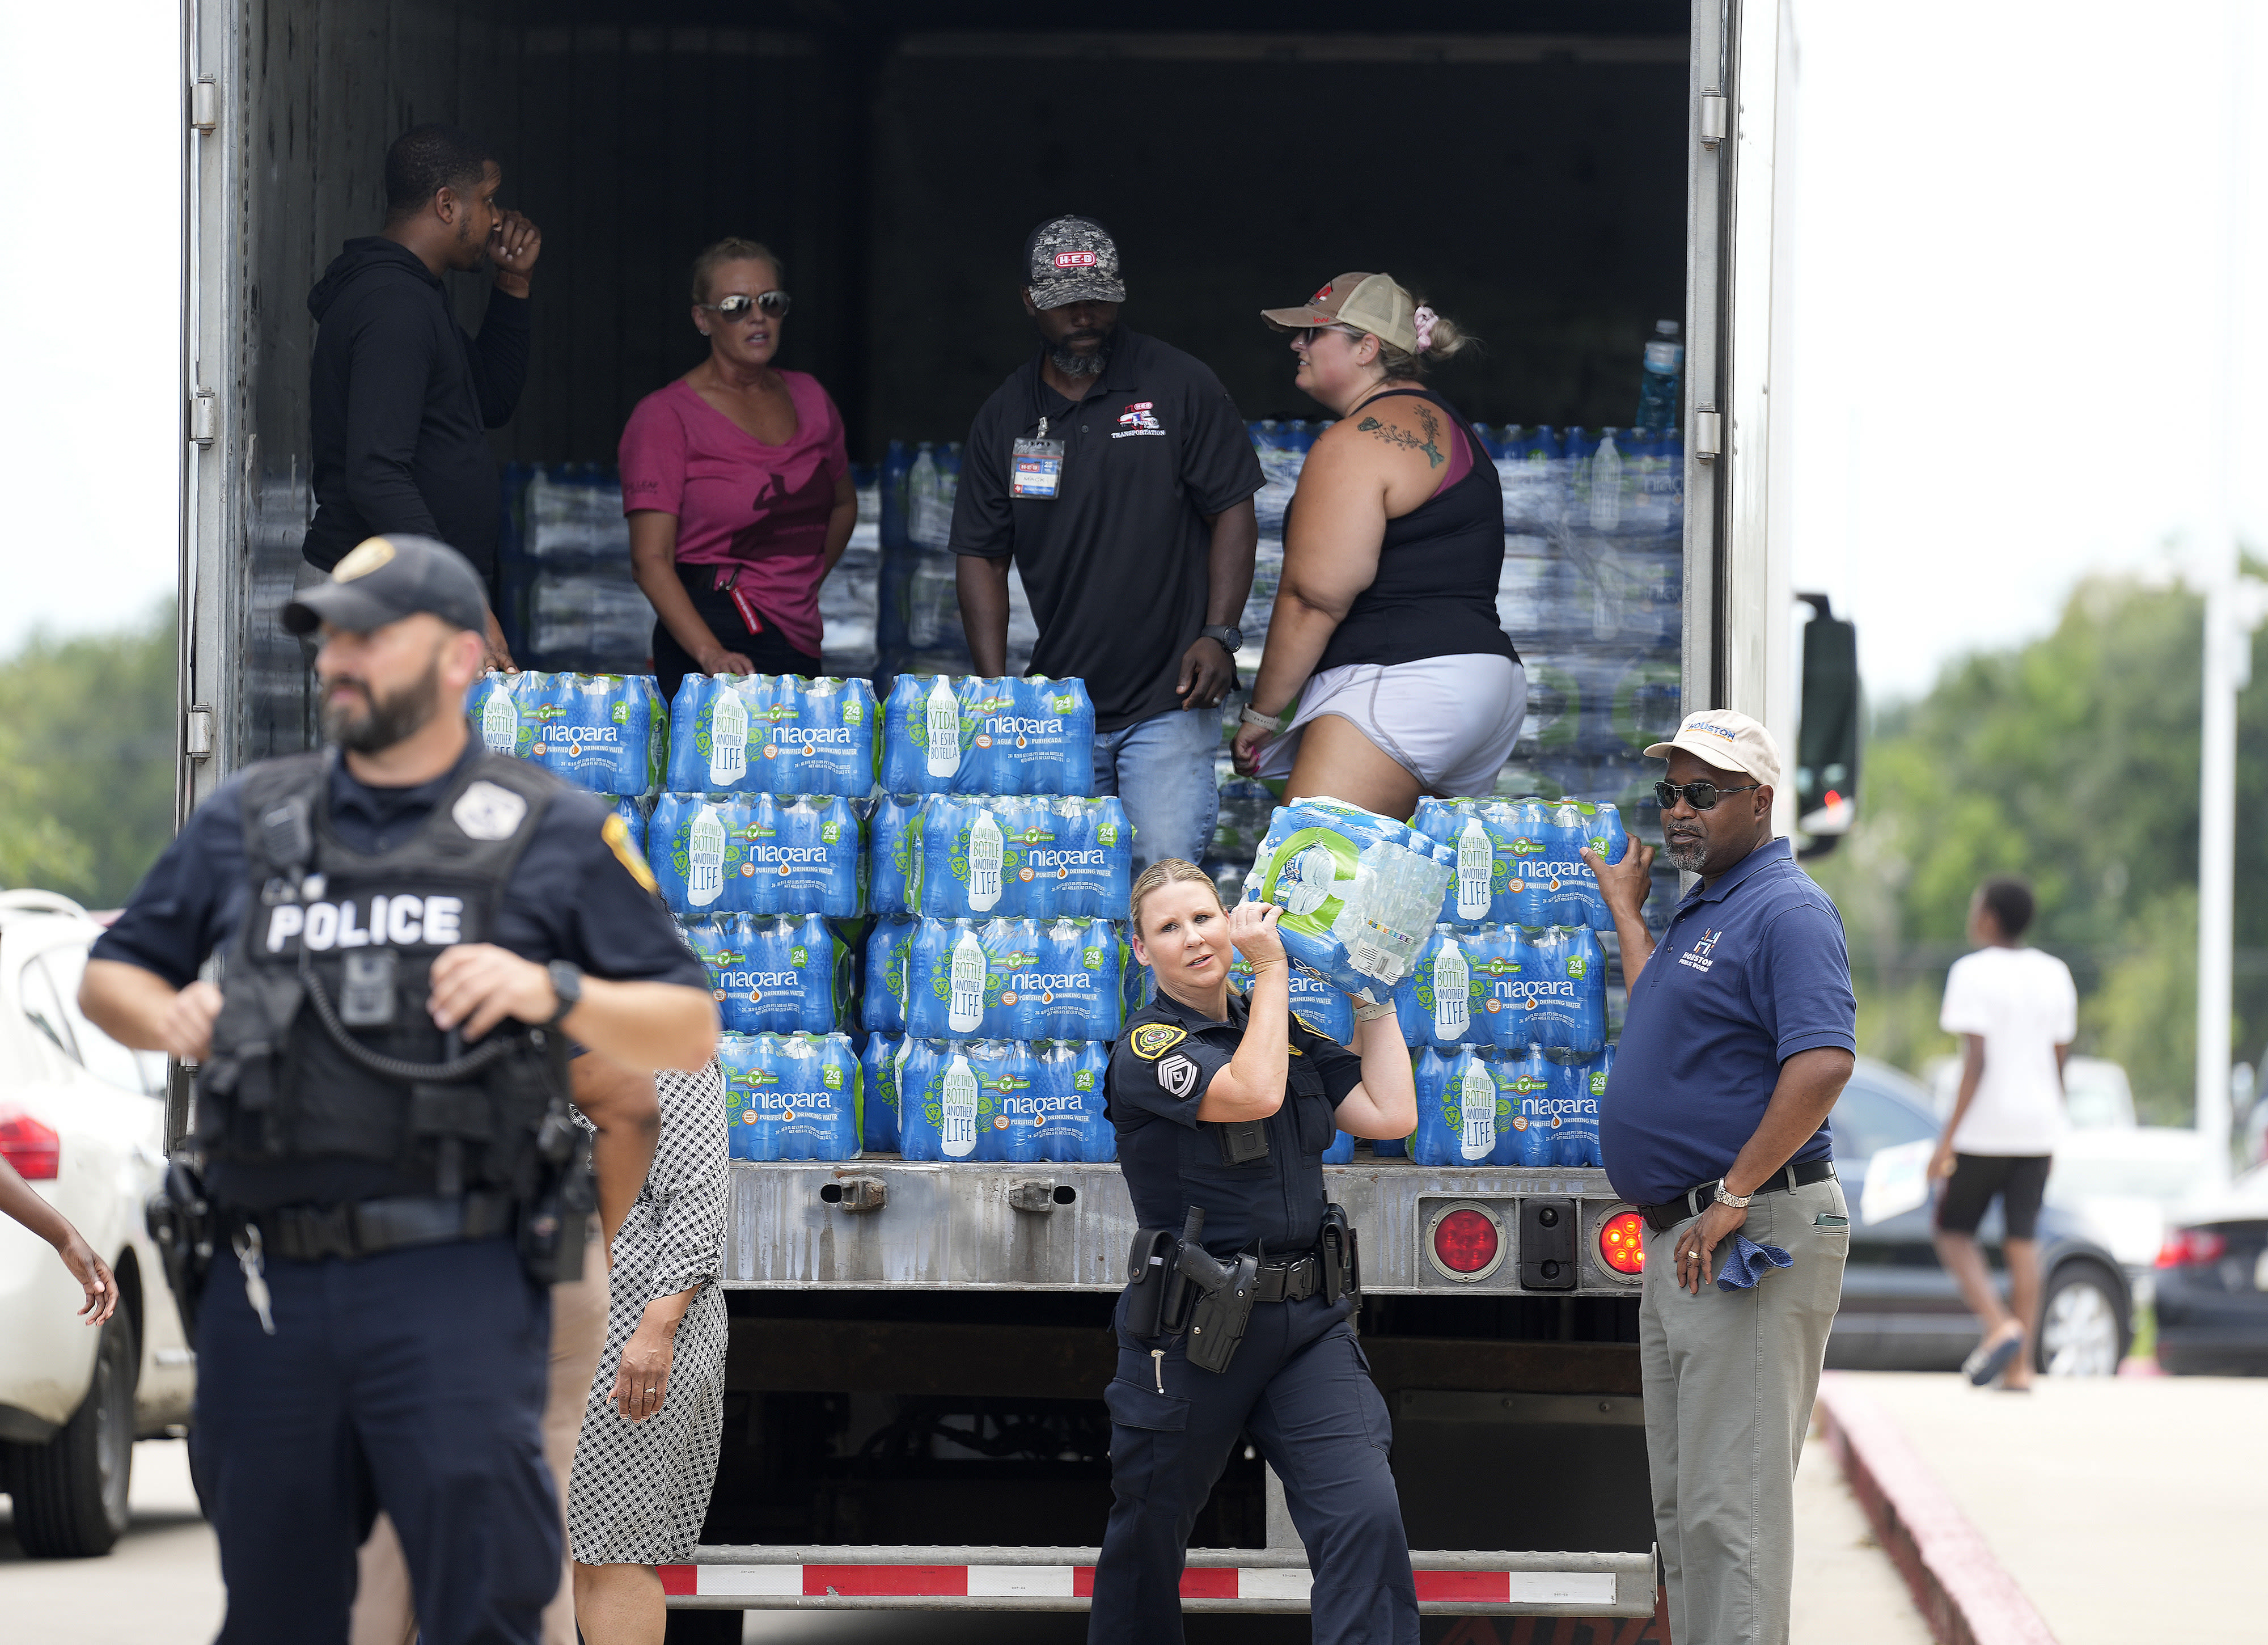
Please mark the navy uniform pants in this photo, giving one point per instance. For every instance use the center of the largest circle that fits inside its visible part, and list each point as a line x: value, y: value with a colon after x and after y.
x: 413, y: 1382
x: 1300, y: 1386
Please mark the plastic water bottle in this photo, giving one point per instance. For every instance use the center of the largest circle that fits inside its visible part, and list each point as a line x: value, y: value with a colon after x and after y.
x: 942, y: 723
x: 883, y: 1010
x: 1531, y: 1079
x: 878, y: 1119
x: 965, y: 1000
x: 1665, y: 362
x: 1607, y: 482
x: 890, y: 848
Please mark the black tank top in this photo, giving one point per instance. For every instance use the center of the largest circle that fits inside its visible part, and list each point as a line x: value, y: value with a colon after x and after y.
x: 1438, y: 567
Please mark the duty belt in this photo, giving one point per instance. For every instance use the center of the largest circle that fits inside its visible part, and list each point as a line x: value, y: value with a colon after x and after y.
x: 1698, y: 1198
x: 364, y: 1228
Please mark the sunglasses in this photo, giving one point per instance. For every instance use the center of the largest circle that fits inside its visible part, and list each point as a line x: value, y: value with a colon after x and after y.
x: 1305, y: 336
x: 1700, y: 796
x: 739, y: 305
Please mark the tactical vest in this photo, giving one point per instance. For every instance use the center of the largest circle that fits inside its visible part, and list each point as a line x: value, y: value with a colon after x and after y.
x: 324, y: 1044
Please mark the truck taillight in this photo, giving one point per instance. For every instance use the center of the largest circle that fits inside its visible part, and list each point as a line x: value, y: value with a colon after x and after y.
x: 33, y: 1148
x: 1622, y: 1243
x: 1466, y: 1241
x: 2191, y: 1247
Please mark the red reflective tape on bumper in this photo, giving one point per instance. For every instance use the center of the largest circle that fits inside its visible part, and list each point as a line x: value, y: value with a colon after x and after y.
x: 680, y: 1579
x: 920, y: 1581
x: 1218, y: 1581
x: 1082, y: 1582
x: 1482, y: 1587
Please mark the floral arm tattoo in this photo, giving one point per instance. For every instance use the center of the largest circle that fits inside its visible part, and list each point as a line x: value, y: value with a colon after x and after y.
x: 1430, y: 444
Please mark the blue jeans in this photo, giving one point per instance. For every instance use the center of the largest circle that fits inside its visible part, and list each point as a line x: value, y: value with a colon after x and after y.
x: 1161, y: 768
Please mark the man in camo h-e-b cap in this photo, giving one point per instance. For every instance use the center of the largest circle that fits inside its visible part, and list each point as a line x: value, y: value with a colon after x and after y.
x: 1116, y: 475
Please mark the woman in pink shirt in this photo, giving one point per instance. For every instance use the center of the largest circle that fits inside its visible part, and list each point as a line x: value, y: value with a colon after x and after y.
x: 737, y: 483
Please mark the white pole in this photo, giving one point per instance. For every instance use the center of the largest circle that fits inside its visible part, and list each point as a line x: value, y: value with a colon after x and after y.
x: 2228, y: 667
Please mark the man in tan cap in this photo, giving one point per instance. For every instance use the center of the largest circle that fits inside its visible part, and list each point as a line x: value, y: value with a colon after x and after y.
x: 1740, y: 1034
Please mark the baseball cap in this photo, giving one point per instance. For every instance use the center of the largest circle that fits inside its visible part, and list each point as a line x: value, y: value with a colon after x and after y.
x: 1728, y: 741
x: 1367, y: 302
x: 1072, y: 260
x: 383, y: 580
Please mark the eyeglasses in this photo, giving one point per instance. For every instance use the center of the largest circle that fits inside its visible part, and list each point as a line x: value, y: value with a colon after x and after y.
x: 1305, y: 336
x: 1700, y: 796
x: 739, y: 305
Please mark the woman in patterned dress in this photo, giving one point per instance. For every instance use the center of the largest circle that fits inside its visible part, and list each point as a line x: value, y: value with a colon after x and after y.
x: 647, y: 1458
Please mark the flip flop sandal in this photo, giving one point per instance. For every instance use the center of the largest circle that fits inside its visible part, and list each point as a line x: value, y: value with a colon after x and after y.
x: 1988, y: 1362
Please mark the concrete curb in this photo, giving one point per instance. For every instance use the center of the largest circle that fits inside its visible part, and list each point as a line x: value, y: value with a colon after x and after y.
x: 1961, y: 1590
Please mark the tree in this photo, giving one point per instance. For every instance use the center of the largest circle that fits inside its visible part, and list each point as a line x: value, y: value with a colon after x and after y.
x: 2073, y: 760
x: 87, y: 741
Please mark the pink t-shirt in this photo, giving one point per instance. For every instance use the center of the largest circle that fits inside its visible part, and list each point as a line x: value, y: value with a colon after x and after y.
x: 739, y: 502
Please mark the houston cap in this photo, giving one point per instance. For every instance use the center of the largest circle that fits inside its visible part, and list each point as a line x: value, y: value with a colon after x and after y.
x: 1727, y: 741
x: 1367, y: 302
x: 383, y: 580
x: 1072, y: 260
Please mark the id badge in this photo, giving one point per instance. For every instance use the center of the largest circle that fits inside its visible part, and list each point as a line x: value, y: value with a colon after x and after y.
x: 1035, y: 470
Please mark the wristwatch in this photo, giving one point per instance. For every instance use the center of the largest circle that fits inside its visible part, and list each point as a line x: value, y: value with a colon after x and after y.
x: 1726, y: 1197
x: 567, y: 982
x: 1252, y: 716
x: 1231, y: 639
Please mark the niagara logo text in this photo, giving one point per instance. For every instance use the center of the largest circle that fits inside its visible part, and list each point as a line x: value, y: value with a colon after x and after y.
x: 805, y: 736
x: 584, y: 733
x: 1040, y: 1107
x: 1065, y: 859
x: 1013, y: 726
x: 752, y: 980
x: 1040, y: 981
x: 791, y: 853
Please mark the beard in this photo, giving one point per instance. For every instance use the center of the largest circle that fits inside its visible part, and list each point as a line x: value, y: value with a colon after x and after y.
x: 1685, y: 858
x: 383, y: 721
x: 1070, y: 363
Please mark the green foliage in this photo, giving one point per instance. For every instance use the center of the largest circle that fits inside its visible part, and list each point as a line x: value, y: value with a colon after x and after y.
x: 2071, y: 760
x: 86, y: 760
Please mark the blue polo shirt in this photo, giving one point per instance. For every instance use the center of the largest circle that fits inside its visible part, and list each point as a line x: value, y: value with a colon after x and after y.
x: 1752, y: 971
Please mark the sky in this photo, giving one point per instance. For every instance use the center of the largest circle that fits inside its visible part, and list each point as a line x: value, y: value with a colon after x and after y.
x: 2013, y: 331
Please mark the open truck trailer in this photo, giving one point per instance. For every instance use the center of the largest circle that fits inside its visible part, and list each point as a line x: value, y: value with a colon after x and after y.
x: 913, y: 1415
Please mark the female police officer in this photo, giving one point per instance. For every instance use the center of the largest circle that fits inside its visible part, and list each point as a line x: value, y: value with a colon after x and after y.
x: 1224, y: 1104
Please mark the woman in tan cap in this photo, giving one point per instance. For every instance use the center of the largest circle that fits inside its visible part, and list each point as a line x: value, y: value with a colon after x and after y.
x: 1384, y: 631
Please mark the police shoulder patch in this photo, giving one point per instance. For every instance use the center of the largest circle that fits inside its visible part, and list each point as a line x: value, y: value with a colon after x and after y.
x: 1153, y: 1040
x: 616, y: 833
x: 1178, y: 1074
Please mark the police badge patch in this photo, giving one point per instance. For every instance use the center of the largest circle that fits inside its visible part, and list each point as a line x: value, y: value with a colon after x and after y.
x: 486, y: 811
x: 1178, y: 1074
x: 1153, y: 1040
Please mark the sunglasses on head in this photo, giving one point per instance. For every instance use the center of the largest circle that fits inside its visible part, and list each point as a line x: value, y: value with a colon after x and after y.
x: 739, y: 305
x: 1700, y: 796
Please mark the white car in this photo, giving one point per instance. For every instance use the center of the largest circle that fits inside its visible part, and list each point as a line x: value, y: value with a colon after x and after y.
x: 2128, y: 1185
x: 83, y: 1119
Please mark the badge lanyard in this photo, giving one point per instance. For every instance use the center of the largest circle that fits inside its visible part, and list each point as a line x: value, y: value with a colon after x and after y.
x: 1035, y: 468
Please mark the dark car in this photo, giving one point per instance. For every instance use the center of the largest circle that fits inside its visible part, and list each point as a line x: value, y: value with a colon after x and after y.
x: 2212, y: 1287
x: 1901, y: 1309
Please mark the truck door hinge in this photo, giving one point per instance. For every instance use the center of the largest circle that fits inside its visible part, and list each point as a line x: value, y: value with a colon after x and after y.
x: 1708, y: 434
x: 197, y: 733
x: 1712, y: 119
x: 204, y: 107
x: 204, y: 417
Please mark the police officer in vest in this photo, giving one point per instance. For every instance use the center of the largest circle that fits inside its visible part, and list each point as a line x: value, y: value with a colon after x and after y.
x: 411, y: 929
x: 1236, y: 1318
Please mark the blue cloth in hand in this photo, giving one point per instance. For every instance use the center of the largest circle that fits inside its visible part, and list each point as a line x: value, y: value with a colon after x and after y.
x: 1748, y: 1262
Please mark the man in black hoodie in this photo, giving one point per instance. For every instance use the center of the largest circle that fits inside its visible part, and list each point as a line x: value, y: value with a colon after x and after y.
x: 401, y: 396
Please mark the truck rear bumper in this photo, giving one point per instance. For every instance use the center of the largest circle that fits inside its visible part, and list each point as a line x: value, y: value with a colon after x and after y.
x: 883, y: 1223
x: 862, y: 1578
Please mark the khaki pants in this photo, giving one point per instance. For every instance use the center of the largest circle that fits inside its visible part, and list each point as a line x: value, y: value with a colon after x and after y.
x: 1729, y: 1381
x: 383, y: 1612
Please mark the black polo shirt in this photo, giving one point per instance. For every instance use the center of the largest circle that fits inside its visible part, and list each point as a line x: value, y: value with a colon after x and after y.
x: 1165, y: 1058
x: 571, y: 896
x: 1115, y: 564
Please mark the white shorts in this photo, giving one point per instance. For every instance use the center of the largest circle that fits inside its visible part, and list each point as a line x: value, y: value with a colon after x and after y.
x: 1449, y: 721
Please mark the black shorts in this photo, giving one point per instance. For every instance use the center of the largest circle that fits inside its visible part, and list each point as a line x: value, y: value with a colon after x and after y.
x: 2020, y: 1179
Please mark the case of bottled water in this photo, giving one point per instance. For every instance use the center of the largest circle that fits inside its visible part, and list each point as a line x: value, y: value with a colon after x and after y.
x: 778, y: 976
x: 1359, y: 892
x: 953, y: 1097
x: 1504, y: 958
x: 806, y: 854
x: 1003, y: 736
x: 603, y: 732
x: 1071, y: 989
x: 1323, y: 1007
x: 1530, y: 1078
x: 791, y: 1098
x: 1065, y: 1116
x: 777, y: 734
